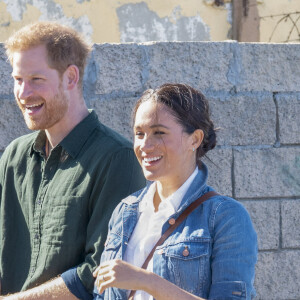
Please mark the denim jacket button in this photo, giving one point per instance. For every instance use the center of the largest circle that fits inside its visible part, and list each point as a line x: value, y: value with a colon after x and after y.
x: 172, y: 221
x: 161, y: 251
x: 185, y: 252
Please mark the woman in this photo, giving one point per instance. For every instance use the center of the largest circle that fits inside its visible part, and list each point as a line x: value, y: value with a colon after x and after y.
x: 212, y: 254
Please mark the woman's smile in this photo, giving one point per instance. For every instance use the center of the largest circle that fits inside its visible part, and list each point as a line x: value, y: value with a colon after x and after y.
x: 149, y: 161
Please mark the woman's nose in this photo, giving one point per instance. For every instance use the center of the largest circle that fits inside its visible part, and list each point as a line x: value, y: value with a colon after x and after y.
x: 147, y: 144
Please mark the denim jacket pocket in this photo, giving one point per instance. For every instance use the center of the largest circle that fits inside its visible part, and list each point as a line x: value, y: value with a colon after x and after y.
x: 186, y: 263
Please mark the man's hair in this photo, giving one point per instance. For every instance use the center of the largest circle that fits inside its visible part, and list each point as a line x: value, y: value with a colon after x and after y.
x: 64, y: 45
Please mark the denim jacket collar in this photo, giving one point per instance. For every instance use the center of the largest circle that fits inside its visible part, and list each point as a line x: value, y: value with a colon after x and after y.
x: 197, y: 188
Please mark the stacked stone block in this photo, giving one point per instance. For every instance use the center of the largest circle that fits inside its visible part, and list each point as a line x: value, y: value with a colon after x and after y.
x: 254, y: 93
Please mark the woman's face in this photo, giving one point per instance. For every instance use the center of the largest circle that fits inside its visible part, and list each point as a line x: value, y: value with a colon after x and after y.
x: 163, y: 149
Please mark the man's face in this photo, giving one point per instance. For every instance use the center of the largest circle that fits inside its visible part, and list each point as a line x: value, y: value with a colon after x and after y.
x: 38, y: 89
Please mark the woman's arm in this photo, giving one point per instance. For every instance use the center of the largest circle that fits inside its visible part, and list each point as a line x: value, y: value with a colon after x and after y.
x: 234, y: 252
x: 120, y: 274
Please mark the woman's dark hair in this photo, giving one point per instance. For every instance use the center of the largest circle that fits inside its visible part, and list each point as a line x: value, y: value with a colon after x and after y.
x: 189, y: 106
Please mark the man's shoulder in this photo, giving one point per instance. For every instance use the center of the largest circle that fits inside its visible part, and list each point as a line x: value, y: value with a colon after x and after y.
x: 110, y: 139
x: 18, y: 150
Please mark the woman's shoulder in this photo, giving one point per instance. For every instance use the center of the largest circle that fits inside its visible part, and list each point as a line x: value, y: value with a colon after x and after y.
x: 224, y: 209
x: 220, y: 199
x: 131, y: 200
x: 222, y: 205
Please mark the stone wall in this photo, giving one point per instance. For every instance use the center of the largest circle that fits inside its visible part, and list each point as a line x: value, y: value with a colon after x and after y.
x: 254, y: 91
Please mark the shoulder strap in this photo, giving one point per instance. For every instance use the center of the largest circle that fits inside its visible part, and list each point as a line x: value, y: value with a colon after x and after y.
x: 173, y: 226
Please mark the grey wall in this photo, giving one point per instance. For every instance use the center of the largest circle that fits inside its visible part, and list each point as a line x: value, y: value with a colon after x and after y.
x: 254, y: 91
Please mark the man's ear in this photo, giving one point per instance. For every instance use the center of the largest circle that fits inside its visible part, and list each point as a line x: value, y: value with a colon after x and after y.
x: 71, y: 77
x: 197, y: 138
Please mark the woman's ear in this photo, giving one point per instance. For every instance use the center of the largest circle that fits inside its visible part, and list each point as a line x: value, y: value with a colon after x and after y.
x: 71, y: 76
x: 197, y: 138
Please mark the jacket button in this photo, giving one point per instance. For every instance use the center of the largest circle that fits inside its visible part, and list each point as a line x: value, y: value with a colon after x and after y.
x: 161, y: 251
x: 172, y: 221
x: 185, y: 252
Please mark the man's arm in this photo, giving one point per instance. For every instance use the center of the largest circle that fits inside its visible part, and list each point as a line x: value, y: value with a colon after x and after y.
x: 53, y: 289
x: 121, y: 176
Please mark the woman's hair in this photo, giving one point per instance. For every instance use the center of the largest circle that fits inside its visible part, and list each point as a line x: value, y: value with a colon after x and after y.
x: 189, y: 106
x: 64, y: 45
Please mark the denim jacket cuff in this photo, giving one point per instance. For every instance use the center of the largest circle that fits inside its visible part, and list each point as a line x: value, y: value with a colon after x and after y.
x: 228, y: 290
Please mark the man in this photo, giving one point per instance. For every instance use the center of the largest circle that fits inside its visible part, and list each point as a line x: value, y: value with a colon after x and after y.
x: 59, y: 184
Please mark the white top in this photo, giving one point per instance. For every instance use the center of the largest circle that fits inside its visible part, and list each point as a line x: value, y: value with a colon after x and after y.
x: 148, y: 228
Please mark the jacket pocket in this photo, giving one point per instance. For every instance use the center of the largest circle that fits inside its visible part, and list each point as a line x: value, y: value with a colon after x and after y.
x: 187, y: 264
x: 187, y: 250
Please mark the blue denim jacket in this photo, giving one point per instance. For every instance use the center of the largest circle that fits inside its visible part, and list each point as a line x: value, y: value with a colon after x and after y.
x: 218, y: 235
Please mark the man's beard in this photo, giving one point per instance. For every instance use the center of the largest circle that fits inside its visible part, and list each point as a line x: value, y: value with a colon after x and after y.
x: 53, y: 111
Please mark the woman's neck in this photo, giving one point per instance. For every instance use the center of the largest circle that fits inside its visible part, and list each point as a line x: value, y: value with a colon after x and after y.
x: 162, y: 193
x: 165, y: 189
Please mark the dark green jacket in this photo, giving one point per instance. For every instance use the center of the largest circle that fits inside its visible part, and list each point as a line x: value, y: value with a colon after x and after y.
x: 54, y: 213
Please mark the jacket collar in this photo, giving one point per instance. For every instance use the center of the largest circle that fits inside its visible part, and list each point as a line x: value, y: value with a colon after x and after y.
x: 197, y: 188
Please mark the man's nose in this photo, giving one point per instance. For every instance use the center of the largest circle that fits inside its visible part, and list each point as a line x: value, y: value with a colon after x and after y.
x: 24, y: 90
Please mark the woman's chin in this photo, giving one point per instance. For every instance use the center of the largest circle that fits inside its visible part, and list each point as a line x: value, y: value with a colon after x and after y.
x: 150, y: 175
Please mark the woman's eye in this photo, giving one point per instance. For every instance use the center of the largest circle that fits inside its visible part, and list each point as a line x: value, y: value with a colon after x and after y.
x: 159, y: 132
x: 138, y: 133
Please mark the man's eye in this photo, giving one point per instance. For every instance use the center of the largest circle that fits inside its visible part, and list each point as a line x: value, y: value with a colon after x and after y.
x: 159, y: 132
x: 36, y: 78
x: 19, y: 80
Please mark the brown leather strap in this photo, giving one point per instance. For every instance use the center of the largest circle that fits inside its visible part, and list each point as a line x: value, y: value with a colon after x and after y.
x: 178, y: 221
